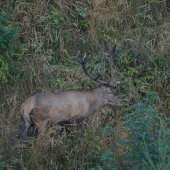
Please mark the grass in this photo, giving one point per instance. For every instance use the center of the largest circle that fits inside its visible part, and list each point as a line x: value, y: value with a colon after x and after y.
x: 50, y: 33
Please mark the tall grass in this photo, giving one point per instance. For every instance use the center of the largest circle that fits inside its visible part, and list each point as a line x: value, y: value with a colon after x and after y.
x: 49, y: 34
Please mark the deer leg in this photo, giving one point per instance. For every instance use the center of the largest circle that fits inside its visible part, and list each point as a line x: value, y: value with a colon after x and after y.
x: 41, y: 127
x: 25, y: 129
x: 75, y: 125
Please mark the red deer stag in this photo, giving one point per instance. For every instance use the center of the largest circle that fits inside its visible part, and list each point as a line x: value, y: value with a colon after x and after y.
x: 73, y: 104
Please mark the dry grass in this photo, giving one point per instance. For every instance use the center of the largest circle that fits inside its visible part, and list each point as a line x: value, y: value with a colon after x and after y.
x: 141, y: 31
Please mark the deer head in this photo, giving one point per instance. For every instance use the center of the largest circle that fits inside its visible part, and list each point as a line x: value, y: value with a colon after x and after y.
x: 108, y: 89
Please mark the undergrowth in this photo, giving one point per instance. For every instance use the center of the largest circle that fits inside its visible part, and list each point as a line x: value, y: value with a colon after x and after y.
x: 38, y: 40
x: 146, y: 145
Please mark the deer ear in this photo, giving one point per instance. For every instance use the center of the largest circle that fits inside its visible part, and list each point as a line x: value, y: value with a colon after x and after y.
x: 119, y: 83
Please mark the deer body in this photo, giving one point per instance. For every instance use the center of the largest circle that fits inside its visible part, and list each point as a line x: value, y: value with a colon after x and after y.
x: 68, y: 105
x: 63, y: 106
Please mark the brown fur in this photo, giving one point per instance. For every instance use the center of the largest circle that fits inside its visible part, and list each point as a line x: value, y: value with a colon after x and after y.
x: 65, y: 106
x: 72, y: 104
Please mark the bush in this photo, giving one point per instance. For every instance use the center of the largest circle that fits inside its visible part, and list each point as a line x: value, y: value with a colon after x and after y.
x: 147, y: 143
x: 8, y: 35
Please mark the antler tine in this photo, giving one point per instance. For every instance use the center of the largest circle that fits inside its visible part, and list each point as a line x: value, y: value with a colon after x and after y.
x: 111, y: 62
x: 83, y: 63
x: 121, y: 68
x: 111, y: 57
x: 120, y: 71
x: 84, y: 56
x: 126, y: 74
x: 77, y: 57
x: 121, y: 78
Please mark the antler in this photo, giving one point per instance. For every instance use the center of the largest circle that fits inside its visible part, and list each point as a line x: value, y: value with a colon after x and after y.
x: 111, y: 52
x: 83, y: 63
x: 113, y: 81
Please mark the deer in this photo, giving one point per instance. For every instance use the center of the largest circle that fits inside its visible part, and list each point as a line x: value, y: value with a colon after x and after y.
x: 71, y: 105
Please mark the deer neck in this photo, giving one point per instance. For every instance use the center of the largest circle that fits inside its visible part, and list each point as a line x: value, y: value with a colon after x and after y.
x: 96, y: 100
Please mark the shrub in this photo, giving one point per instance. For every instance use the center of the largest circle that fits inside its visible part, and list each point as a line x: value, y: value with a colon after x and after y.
x: 8, y: 35
x: 147, y: 143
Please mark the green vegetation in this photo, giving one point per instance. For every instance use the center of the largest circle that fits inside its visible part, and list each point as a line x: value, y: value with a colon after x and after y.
x: 37, y: 42
x: 7, y: 38
x: 147, y: 145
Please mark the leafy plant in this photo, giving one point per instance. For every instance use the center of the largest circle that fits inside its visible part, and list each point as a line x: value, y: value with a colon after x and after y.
x: 2, y: 164
x: 148, y: 139
x: 83, y: 20
x: 56, y: 25
x: 162, y: 147
x: 143, y: 131
x: 56, y: 20
x: 153, y: 1
x: 8, y: 35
